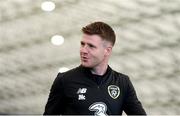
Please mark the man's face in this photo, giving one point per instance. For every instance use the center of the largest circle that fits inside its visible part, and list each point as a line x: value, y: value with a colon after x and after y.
x: 92, y: 51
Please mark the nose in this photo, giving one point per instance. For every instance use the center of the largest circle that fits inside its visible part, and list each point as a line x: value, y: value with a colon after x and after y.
x: 84, y: 49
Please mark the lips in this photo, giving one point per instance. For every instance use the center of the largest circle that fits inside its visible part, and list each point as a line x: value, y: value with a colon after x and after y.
x: 83, y: 58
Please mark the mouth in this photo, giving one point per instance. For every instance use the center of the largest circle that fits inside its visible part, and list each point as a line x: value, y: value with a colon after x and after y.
x: 84, y: 59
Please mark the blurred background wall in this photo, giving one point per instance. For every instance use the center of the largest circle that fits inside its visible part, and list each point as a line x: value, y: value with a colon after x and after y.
x: 39, y: 38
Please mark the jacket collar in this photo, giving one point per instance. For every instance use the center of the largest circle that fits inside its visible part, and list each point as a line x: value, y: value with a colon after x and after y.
x: 93, y: 77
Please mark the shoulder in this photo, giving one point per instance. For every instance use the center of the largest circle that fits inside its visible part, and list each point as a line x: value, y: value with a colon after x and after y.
x: 124, y: 82
x: 120, y: 75
x: 123, y: 79
x: 69, y: 74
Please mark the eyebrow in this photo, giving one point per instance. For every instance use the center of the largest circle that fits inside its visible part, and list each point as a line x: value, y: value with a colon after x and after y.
x: 89, y: 44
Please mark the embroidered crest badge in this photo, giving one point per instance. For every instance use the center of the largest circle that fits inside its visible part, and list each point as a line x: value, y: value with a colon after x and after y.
x: 113, y: 91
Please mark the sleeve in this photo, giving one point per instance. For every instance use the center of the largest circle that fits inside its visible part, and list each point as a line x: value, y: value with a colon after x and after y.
x: 132, y: 105
x: 56, y: 100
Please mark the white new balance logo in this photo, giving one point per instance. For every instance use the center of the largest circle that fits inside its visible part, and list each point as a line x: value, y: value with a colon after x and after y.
x: 81, y: 92
x: 81, y: 97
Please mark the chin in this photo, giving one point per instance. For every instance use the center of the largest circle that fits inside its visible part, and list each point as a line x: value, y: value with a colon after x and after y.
x: 86, y: 65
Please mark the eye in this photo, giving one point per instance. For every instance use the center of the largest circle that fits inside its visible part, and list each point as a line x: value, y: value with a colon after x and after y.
x: 92, y: 46
x: 82, y: 43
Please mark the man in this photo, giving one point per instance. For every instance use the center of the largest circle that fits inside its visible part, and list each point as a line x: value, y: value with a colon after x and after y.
x: 94, y: 88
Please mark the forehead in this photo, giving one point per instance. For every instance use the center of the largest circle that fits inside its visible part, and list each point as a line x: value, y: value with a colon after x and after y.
x: 94, y: 39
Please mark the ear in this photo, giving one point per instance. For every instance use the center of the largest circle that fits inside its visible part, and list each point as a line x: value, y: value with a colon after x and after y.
x: 108, y: 51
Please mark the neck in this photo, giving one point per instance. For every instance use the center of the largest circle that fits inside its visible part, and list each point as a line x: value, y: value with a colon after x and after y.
x: 99, y: 70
